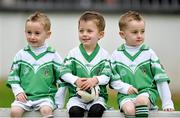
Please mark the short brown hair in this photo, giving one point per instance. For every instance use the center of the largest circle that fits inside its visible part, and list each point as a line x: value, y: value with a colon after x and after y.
x: 94, y: 16
x: 41, y: 17
x: 127, y: 17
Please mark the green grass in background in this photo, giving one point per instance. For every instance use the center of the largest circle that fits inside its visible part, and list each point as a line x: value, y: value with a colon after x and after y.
x: 7, y: 97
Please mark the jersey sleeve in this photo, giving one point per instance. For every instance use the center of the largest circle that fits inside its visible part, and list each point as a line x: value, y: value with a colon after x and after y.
x: 16, y: 89
x: 66, y: 65
x: 13, y: 76
x: 116, y: 83
x: 157, y: 69
x: 165, y: 95
x: 57, y: 62
x: 105, y: 74
x: 60, y: 97
x: 66, y: 70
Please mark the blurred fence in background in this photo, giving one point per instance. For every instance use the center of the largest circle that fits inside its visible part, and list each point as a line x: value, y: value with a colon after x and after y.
x: 111, y: 6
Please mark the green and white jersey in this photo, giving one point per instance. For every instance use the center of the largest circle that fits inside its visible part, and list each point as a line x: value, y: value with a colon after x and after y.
x: 142, y: 70
x: 36, y: 74
x: 79, y: 64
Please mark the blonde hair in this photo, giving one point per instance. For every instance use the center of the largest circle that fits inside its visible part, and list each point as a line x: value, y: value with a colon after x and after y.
x: 94, y: 16
x: 42, y: 18
x: 127, y: 17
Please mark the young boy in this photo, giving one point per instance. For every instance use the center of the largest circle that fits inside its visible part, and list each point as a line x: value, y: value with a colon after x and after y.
x: 138, y: 65
x: 35, y: 70
x: 84, y: 65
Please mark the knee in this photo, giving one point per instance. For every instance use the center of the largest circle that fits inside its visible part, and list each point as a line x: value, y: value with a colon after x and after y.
x: 46, y: 111
x: 96, y: 110
x: 76, y: 111
x: 129, y: 110
x: 142, y: 100
x: 16, y: 112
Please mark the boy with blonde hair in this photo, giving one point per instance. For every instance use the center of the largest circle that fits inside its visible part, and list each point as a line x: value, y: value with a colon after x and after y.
x: 35, y: 70
x: 138, y: 65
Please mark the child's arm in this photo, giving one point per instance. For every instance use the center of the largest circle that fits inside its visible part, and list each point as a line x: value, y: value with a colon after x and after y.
x: 103, y: 79
x: 165, y: 95
x: 59, y: 97
x: 162, y: 86
x: 19, y: 92
x: 70, y: 78
x: 123, y: 87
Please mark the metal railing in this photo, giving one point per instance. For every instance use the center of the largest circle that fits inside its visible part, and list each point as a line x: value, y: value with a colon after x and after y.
x: 113, y: 6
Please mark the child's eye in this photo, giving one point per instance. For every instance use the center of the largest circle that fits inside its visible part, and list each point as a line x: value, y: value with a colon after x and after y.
x: 89, y: 31
x: 134, y: 32
x: 37, y: 33
x: 81, y: 31
x: 29, y: 32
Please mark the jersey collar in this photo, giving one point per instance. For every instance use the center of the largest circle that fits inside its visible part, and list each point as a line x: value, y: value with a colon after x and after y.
x: 90, y: 57
x: 29, y: 50
x: 132, y: 58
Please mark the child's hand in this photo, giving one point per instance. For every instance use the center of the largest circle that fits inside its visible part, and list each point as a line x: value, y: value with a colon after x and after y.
x: 79, y: 82
x: 132, y: 90
x: 21, y: 97
x: 168, y: 109
x: 89, y: 83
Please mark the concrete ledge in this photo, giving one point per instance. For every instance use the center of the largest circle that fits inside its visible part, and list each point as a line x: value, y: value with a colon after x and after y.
x: 5, y: 112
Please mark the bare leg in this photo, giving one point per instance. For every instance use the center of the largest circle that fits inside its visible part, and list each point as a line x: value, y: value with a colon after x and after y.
x: 17, y: 112
x: 129, y: 108
x: 142, y: 102
x: 46, y: 111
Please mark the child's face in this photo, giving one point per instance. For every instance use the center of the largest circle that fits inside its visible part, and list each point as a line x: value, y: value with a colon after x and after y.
x: 134, y: 33
x: 36, y: 34
x: 89, y: 33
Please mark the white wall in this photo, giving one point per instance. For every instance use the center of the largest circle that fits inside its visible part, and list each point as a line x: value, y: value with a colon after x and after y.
x: 162, y: 34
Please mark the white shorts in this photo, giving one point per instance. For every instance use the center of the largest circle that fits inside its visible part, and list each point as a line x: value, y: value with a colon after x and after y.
x: 151, y: 107
x: 75, y: 101
x: 34, y: 105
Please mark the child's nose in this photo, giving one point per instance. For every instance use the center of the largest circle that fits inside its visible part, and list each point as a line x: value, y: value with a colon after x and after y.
x: 32, y: 36
x: 139, y: 35
x: 85, y: 33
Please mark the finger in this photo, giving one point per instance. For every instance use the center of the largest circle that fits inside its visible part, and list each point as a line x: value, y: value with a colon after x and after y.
x: 20, y: 98
x: 83, y: 79
x: 81, y: 83
x: 83, y: 87
x: 135, y: 90
x: 24, y: 98
x: 131, y: 91
x: 168, y: 109
x: 86, y: 86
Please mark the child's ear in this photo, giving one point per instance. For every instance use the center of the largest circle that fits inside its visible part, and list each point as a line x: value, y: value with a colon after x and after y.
x: 48, y: 34
x: 122, y: 34
x: 101, y: 34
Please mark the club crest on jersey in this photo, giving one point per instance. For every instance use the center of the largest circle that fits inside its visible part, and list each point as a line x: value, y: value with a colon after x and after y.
x: 98, y: 70
x: 123, y: 72
x: 46, y: 72
x: 143, y: 70
x: 25, y: 71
